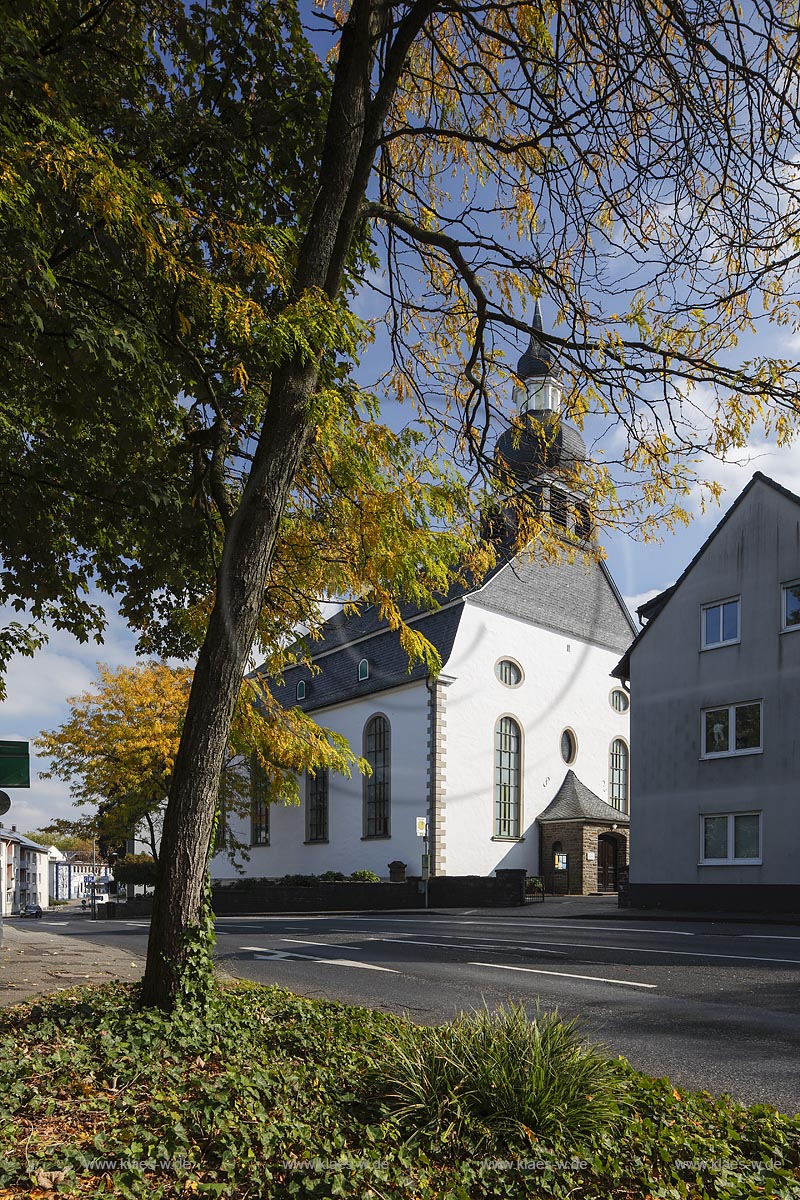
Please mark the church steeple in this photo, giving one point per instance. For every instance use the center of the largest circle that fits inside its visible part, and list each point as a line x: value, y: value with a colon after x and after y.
x: 540, y: 389
x: 545, y: 446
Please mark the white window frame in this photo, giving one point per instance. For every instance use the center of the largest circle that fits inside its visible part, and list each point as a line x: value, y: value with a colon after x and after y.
x: 363, y: 670
x: 300, y: 690
x: 786, y: 628
x: 498, y: 667
x: 704, y: 645
x: 730, y: 861
x: 732, y: 753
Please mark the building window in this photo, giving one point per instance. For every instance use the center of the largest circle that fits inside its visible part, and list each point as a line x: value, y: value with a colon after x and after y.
x: 558, y: 507
x: 730, y: 838
x: 619, y: 700
x: 583, y: 522
x: 508, y: 672
x: 259, y: 804
x: 377, y: 786
x: 720, y: 623
x: 733, y: 729
x: 790, y: 605
x: 300, y: 690
x: 363, y: 670
x: 569, y: 746
x: 507, y: 778
x: 618, y: 775
x: 317, y: 806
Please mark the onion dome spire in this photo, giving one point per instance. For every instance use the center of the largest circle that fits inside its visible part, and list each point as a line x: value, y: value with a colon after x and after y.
x: 537, y: 360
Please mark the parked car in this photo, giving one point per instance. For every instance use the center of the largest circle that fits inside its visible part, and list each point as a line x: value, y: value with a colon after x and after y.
x: 31, y: 910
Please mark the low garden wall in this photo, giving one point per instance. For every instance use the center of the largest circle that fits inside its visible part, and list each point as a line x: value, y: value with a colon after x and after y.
x: 251, y: 897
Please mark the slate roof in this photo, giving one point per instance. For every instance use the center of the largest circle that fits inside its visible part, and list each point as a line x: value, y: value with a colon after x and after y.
x: 578, y: 598
x: 650, y: 611
x: 347, y: 640
x: 575, y: 802
x: 543, y: 443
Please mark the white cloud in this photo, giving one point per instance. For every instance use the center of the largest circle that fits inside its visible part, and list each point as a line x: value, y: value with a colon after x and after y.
x: 37, y: 691
x: 633, y: 602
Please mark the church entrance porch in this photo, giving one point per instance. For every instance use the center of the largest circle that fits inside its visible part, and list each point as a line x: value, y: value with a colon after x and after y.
x: 583, y: 842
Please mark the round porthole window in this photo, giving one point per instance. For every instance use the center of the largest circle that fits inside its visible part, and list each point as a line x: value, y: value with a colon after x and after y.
x: 569, y: 746
x: 620, y: 701
x: 509, y: 672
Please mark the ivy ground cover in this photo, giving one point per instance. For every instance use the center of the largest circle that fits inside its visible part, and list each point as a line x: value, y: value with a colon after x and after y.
x: 266, y: 1094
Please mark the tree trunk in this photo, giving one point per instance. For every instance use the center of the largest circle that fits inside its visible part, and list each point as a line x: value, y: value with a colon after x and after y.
x: 350, y: 142
x: 247, y: 556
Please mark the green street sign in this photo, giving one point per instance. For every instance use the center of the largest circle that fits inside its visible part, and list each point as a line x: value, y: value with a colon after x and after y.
x: 15, y: 765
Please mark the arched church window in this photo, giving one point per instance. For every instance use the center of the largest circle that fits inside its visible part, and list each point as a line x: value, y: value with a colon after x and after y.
x: 507, y: 778
x: 377, y: 786
x: 618, y: 775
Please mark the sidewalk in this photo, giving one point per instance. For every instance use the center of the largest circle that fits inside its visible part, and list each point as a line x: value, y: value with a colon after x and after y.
x: 606, y: 908
x: 34, y: 964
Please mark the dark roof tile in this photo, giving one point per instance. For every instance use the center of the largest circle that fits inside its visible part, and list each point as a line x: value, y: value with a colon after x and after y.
x: 575, y: 802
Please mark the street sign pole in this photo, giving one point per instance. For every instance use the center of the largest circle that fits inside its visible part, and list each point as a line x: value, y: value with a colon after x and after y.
x: 422, y: 831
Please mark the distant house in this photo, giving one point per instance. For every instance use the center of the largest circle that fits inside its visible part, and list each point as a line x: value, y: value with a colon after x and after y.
x: 524, y: 706
x: 24, y: 871
x: 72, y: 873
x: 715, y: 728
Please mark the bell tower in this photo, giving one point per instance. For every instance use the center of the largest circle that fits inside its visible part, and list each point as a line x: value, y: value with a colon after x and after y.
x: 539, y: 453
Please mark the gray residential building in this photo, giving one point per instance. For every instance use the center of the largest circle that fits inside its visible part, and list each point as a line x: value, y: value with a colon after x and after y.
x: 715, y: 743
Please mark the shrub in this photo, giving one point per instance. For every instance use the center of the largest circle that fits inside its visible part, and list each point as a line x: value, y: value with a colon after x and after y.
x: 500, y: 1074
x: 333, y: 877
x: 365, y: 877
x: 300, y: 880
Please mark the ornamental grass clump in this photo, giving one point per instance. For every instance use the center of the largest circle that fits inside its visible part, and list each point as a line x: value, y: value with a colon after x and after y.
x: 501, y: 1075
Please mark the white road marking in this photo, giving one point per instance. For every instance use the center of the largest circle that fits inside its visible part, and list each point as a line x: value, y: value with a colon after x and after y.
x: 771, y: 937
x: 532, y: 923
x: 138, y: 924
x: 349, y: 962
x: 327, y: 945
x: 795, y: 962
x: 331, y: 962
x: 263, y: 954
x: 564, y: 974
x: 456, y: 946
x: 55, y: 922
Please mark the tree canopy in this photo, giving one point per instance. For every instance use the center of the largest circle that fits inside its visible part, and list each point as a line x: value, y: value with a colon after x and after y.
x: 183, y: 240
x: 117, y: 752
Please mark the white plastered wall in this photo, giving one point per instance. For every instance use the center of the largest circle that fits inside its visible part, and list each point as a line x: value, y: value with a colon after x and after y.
x: 406, y: 709
x: 566, y: 684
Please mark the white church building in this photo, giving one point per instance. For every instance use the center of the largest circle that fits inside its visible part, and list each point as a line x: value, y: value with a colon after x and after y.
x: 516, y: 754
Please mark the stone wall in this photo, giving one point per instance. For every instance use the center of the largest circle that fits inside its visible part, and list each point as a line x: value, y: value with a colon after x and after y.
x: 505, y: 889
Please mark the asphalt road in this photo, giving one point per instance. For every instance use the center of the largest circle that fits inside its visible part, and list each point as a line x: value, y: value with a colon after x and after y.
x: 713, y: 1006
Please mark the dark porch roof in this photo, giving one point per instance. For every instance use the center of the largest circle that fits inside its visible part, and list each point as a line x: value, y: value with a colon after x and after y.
x: 575, y: 802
